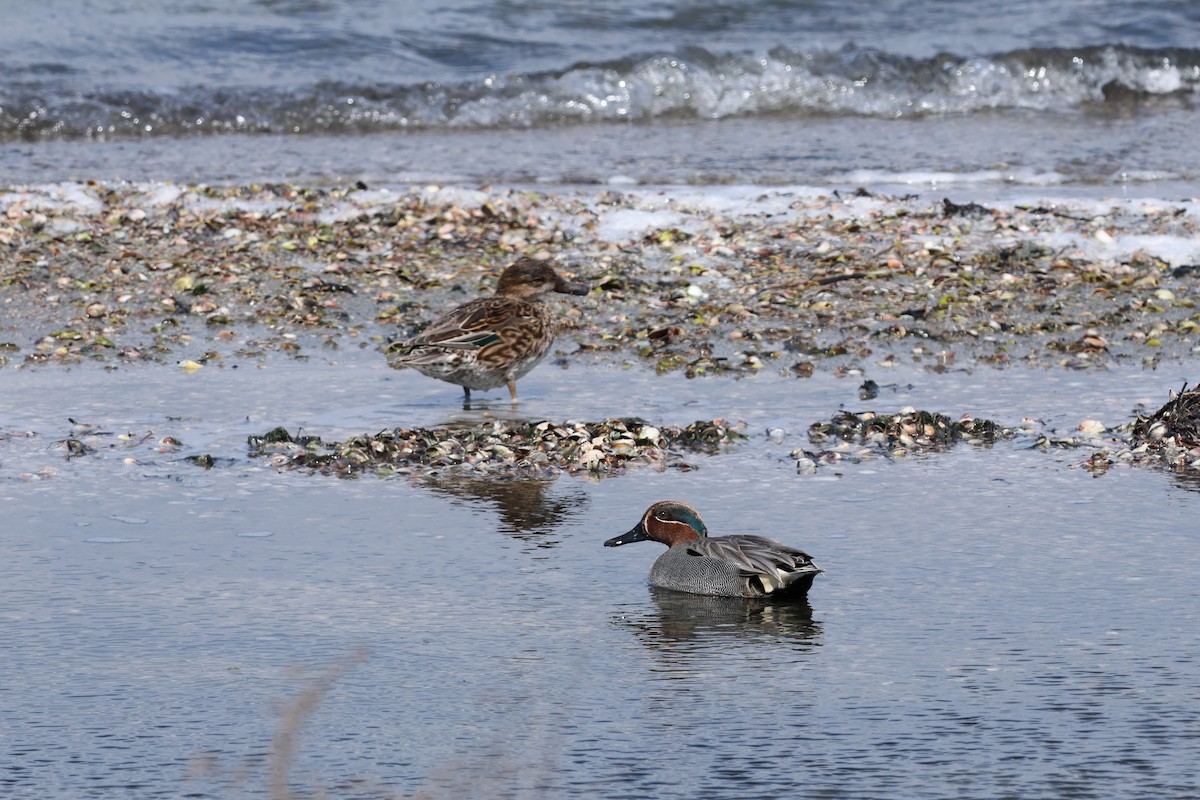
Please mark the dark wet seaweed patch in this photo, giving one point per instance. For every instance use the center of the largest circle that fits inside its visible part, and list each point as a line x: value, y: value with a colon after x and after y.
x: 76, y: 448
x: 207, y: 461
x: 893, y: 434
x: 1175, y: 425
x: 1167, y: 439
x: 906, y: 430
x: 502, y: 449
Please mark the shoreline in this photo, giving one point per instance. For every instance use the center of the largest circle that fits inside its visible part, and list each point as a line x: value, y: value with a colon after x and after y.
x: 703, y: 280
x: 993, y: 155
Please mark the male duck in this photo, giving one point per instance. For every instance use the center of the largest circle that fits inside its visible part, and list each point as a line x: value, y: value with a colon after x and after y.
x: 490, y: 341
x: 727, y: 566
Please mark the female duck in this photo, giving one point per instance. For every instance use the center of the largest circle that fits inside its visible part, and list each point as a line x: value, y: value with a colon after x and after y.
x: 490, y: 341
x: 727, y: 566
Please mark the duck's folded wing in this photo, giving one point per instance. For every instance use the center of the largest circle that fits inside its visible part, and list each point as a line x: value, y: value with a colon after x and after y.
x: 757, y: 555
x: 468, y: 327
x: 463, y: 341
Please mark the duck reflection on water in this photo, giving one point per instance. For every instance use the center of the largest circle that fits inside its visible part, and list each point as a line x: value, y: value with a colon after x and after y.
x: 527, y: 508
x: 679, y: 622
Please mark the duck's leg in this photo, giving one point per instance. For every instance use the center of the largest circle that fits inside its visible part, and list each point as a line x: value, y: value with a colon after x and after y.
x: 466, y: 395
x: 512, y: 390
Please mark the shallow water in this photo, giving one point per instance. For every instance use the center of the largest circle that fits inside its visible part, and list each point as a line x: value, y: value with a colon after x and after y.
x: 993, y: 622
x: 973, y: 157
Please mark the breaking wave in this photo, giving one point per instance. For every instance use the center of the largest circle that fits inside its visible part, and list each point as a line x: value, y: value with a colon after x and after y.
x: 691, y: 84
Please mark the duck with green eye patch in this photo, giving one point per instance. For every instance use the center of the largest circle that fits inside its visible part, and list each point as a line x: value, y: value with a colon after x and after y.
x: 741, y: 565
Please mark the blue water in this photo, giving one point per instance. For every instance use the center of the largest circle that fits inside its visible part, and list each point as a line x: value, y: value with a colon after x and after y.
x: 237, y: 43
x: 1120, y: 78
x: 992, y: 623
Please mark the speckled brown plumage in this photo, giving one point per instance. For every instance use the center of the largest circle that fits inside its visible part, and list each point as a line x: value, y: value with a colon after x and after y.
x: 491, y: 341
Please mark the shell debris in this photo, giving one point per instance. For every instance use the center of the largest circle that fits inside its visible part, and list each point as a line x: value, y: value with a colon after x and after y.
x: 503, y: 449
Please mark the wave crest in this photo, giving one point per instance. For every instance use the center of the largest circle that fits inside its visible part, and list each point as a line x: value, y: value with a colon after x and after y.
x: 689, y: 84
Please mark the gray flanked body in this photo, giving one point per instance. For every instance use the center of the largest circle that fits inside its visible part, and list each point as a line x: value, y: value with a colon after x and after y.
x: 734, y: 566
x: 727, y: 566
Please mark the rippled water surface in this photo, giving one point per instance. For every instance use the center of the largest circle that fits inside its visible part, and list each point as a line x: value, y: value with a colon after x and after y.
x: 791, y: 91
x: 993, y: 622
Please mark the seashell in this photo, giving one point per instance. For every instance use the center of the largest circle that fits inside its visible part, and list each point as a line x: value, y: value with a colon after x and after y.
x: 649, y: 433
x: 590, y: 458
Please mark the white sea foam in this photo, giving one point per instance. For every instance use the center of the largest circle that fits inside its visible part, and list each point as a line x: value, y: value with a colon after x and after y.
x: 641, y: 211
x: 1173, y: 250
x: 932, y: 180
x: 68, y: 195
